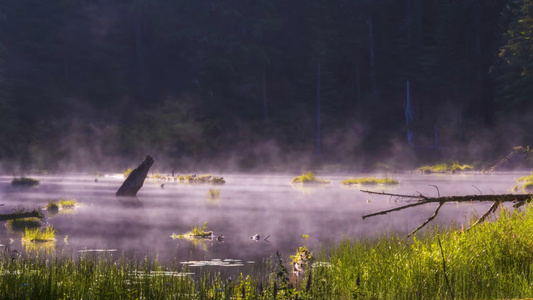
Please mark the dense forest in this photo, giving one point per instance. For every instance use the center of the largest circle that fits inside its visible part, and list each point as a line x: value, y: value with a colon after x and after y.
x: 253, y: 83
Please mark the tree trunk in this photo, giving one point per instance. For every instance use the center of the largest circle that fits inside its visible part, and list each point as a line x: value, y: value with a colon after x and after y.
x: 135, y: 180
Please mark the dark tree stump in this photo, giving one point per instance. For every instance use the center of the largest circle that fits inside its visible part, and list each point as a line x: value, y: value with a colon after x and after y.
x: 135, y: 180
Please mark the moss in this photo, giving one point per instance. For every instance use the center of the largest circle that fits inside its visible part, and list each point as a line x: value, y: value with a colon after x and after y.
x: 370, y: 181
x: 309, y: 178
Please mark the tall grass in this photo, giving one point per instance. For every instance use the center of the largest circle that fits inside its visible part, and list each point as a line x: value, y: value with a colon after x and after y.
x: 307, y: 178
x: 490, y: 261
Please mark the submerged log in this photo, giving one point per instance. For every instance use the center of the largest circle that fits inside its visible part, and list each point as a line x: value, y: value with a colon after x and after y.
x: 135, y: 180
x: 13, y: 216
x: 518, y: 199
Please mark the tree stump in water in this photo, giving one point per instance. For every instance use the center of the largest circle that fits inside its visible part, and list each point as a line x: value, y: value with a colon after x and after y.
x: 135, y: 180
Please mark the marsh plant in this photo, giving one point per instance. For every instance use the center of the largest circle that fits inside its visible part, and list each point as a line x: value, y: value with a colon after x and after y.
x: 67, y: 203
x: 197, y: 232
x: 213, y: 194
x: 492, y: 260
x: 46, y: 234
x: 527, y: 184
x: 19, y: 225
x: 25, y: 182
x: 452, y: 167
x: 309, y: 178
x: 52, y: 207
x: 370, y: 181
x: 127, y: 172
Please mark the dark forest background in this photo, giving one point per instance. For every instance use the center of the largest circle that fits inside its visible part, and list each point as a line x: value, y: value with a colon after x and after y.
x: 262, y: 84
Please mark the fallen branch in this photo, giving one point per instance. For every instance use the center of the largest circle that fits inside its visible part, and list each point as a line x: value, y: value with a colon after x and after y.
x: 13, y: 216
x: 519, y: 199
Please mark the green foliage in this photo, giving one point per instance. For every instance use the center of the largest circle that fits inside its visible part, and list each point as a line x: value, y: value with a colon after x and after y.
x: 370, y: 181
x: 127, y: 172
x: 196, y: 232
x: 25, y: 181
x: 213, y: 193
x: 38, y: 235
x: 67, y: 203
x: 52, y: 206
x: 309, y: 178
x: 452, y: 167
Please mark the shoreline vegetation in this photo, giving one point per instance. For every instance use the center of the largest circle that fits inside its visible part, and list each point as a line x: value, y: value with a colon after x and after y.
x: 492, y: 260
x: 452, y: 167
x: 309, y: 178
x: 370, y: 181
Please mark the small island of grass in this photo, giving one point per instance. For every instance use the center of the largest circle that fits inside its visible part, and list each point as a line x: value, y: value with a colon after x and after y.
x: 25, y: 182
x: 196, y: 232
x: 38, y: 235
x: 527, y: 183
x: 370, y: 181
x: 309, y: 178
x: 67, y: 203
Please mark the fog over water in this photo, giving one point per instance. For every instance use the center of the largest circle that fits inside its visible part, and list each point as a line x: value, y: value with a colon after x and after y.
x: 249, y: 204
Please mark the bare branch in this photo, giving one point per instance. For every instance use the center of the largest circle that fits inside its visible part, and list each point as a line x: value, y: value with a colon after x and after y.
x: 438, y: 192
x: 488, y: 212
x: 389, y: 194
x: 428, y: 220
x: 478, y: 189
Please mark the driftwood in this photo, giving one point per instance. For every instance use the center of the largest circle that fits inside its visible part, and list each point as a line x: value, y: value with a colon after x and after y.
x: 518, y: 199
x: 13, y: 216
x: 135, y: 180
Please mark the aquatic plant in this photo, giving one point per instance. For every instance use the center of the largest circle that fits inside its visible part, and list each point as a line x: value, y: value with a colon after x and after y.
x: 370, y: 181
x: 452, y: 167
x: 127, y: 172
x: 213, y: 193
x: 23, y: 223
x: 38, y: 235
x: 307, y: 178
x: 196, y: 232
x: 67, y: 203
x: 217, y: 180
x: 52, y: 207
x: 527, y: 183
x: 25, y: 181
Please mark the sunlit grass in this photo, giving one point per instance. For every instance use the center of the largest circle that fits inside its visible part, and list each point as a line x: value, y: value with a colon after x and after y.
x: 493, y: 260
x: 52, y: 207
x: 67, y: 203
x: 308, y: 178
x: 452, y: 167
x: 197, y: 232
x: 127, y: 172
x: 370, y: 181
x: 37, y: 235
x: 25, y: 181
x: 213, y: 193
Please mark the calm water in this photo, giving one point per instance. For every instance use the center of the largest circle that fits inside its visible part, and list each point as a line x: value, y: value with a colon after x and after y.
x: 249, y: 204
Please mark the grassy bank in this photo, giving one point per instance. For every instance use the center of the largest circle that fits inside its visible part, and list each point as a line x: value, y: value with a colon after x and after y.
x: 491, y: 261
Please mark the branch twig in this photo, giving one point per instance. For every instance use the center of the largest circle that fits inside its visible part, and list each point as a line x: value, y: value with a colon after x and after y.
x: 428, y: 220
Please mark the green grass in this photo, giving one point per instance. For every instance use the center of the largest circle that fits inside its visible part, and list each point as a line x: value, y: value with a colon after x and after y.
x: 18, y: 225
x: 490, y: 261
x: 452, y: 167
x: 213, y: 193
x: 67, y: 203
x: 370, y: 181
x: 38, y: 235
x: 52, y: 207
x: 25, y: 181
x: 197, y: 232
x: 127, y: 172
x: 309, y: 178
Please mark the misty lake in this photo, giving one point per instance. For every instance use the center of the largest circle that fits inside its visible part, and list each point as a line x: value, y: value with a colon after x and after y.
x: 266, y: 205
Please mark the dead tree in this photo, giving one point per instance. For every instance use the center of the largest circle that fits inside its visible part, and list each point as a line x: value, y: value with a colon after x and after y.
x: 518, y: 199
x: 135, y: 180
